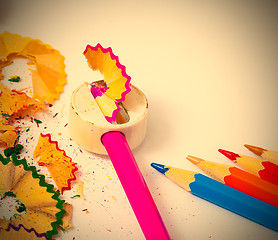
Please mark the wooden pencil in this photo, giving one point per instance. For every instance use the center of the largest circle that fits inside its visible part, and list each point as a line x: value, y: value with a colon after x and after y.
x: 222, y: 195
x: 258, y: 167
x: 269, y: 155
x: 239, y: 179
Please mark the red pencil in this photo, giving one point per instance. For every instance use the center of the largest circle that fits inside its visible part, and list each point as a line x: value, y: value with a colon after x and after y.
x: 269, y: 155
x: 258, y: 167
x: 239, y: 179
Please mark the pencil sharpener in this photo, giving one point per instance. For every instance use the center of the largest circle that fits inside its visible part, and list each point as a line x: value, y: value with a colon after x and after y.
x: 87, y: 123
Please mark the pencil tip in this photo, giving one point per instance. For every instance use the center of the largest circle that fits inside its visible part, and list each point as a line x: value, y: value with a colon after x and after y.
x: 194, y: 160
x: 231, y: 155
x: 256, y: 150
x: 159, y: 167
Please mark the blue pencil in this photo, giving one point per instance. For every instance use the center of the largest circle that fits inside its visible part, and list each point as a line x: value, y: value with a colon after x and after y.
x: 222, y: 195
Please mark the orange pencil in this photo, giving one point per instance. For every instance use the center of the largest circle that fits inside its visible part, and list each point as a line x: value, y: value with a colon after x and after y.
x: 269, y: 155
x: 258, y: 167
x: 239, y: 179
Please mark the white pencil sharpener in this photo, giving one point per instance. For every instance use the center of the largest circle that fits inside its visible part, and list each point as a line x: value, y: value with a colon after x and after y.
x: 87, y: 123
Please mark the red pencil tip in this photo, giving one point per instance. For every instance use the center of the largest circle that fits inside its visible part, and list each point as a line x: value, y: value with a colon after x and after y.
x: 231, y: 155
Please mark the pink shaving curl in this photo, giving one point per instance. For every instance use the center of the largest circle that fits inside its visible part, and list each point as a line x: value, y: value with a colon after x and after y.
x: 99, y: 92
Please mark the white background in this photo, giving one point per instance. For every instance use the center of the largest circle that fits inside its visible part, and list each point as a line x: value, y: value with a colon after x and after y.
x: 209, y: 71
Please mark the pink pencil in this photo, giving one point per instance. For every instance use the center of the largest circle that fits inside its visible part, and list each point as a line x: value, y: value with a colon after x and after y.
x: 134, y: 186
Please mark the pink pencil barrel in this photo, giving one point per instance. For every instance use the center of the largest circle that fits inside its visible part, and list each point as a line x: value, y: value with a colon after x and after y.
x: 134, y: 186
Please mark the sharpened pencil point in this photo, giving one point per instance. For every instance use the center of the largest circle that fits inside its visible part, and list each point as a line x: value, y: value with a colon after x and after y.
x: 159, y: 167
x: 194, y: 160
x: 256, y: 150
x: 231, y: 155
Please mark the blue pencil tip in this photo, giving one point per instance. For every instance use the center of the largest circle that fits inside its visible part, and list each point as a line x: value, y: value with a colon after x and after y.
x: 159, y: 167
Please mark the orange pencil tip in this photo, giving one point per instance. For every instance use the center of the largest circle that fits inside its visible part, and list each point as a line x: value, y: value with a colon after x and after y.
x: 256, y: 150
x: 194, y: 160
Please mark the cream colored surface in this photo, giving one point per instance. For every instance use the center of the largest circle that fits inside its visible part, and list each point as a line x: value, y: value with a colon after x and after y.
x: 87, y: 124
x: 209, y: 72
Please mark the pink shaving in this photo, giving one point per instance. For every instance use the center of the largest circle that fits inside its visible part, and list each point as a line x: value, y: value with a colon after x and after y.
x: 113, y: 117
x: 96, y: 93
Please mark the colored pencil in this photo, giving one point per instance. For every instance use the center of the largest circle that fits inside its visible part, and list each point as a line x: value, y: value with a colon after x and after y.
x: 239, y: 179
x: 258, y: 167
x: 269, y: 155
x: 135, y: 186
x: 222, y: 195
